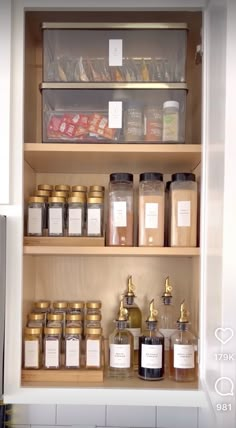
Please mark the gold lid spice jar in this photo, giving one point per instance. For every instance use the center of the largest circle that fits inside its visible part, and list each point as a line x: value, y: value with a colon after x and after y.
x: 95, y: 210
x: 80, y: 189
x: 55, y: 320
x: 76, y: 216
x: 93, y: 348
x: 32, y: 348
x: 74, y: 320
x: 46, y: 187
x: 56, y: 216
x: 76, y: 307
x: 73, y: 337
x: 93, y: 320
x: 36, y: 216
x: 93, y: 307
x: 52, y: 347
x: 42, y: 307
x: 36, y: 320
x: 61, y: 307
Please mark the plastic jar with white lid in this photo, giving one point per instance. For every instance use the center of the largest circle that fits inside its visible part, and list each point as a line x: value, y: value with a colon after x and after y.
x: 171, y: 121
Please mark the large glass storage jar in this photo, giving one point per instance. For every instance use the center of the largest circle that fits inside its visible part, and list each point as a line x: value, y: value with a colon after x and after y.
x: 73, y: 347
x: 120, y: 210
x: 36, y: 216
x: 75, y: 216
x: 52, y: 347
x: 151, y: 209
x: 95, y: 209
x: 56, y: 216
x: 183, y: 215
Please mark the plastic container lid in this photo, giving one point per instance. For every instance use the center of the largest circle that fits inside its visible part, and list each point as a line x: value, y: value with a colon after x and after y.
x: 169, y: 104
x: 121, y: 176
x: 183, y: 176
x: 151, y: 176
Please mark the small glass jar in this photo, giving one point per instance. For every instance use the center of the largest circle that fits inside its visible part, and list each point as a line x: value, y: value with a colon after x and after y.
x: 95, y: 209
x: 171, y: 121
x: 42, y: 307
x: 96, y: 194
x: 97, y: 188
x: 80, y: 189
x: 52, y: 347
x: 93, y: 307
x: 62, y: 188
x: 75, y: 216
x: 73, y: 347
x: 56, y: 216
x: 93, y: 348
x: 43, y: 193
x: 76, y: 307
x: 153, y: 123
x: 120, y: 210
x: 55, y: 320
x: 36, y: 216
x: 93, y: 321
x: 36, y: 320
x: 151, y: 209
x: 60, y: 194
x: 61, y: 307
x: 74, y: 320
x: 46, y: 187
x: 32, y: 348
x: 133, y: 123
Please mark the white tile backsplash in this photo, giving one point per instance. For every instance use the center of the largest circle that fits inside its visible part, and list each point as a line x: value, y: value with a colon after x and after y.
x: 34, y: 414
x: 81, y: 415
x: 177, y: 417
x: 131, y: 416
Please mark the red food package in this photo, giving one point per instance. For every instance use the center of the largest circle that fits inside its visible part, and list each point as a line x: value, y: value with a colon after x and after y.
x: 97, y: 123
x: 54, y: 126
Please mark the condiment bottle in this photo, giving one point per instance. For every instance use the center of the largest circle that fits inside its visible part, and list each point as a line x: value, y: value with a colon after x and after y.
x: 151, y: 349
x: 36, y: 216
x: 183, y: 217
x: 73, y: 347
x: 76, y: 216
x: 120, y: 210
x: 171, y: 121
x: 32, y: 348
x: 56, y: 216
x: 183, y: 353
x: 95, y: 210
x: 121, y: 346
x: 93, y: 348
x: 134, y: 317
x: 151, y: 209
x: 166, y: 319
x: 52, y: 347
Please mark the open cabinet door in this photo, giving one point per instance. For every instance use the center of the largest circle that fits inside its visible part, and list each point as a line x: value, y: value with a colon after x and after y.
x: 218, y: 321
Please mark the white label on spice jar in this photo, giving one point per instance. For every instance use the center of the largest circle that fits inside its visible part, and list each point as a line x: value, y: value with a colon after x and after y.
x: 120, y: 214
x: 93, y: 353
x: 151, y: 356
x: 167, y: 332
x: 184, y: 214
x: 94, y: 221
x: 115, y: 114
x: 183, y: 356
x: 75, y: 221
x: 55, y: 221
x: 72, y: 352
x: 136, y: 333
x: 31, y: 353
x: 120, y: 356
x: 34, y: 221
x: 52, y: 353
x: 151, y: 216
x: 115, y: 52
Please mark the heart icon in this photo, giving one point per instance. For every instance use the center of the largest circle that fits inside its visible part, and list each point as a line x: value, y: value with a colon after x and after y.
x: 224, y: 335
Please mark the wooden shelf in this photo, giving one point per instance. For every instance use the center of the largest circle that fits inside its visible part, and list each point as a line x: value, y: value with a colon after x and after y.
x: 60, y: 377
x: 65, y: 241
x: 114, y: 85
x: 107, y: 158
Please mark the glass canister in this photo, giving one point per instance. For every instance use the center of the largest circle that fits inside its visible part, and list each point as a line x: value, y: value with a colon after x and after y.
x: 151, y: 209
x: 56, y: 216
x: 52, y: 347
x: 171, y: 121
x: 36, y: 216
x: 95, y: 209
x: 153, y: 123
x: 75, y: 216
x: 93, y: 307
x: 93, y: 348
x: 73, y: 347
x: 183, y: 214
x: 32, y: 348
x: 133, y: 123
x: 120, y: 210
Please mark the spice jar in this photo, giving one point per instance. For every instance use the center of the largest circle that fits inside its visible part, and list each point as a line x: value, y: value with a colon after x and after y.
x: 32, y: 348
x: 56, y: 214
x: 36, y: 216
x: 93, y: 348
x: 46, y: 187
x: 93, y: 321
x: 74, y: 320
x: 93, y: 307
x: 153, y: 123
x: 76, y: 307
x: 97, y: 188
x: 43, y: 193
x: 62, y: 188
x: 133, y: 123
x: 42, y: 307
x: 183, y: 214
x: 61, y: 307
x: 80, y: 189
x: 52, y: 347
x: 36, y: 320
x: 55, y: 320
x: 151, y: 209
x: 120, y: 210
x: 171, y: 121
x: 73, y: 347
x: 95, y: 209
x: 75, y: 216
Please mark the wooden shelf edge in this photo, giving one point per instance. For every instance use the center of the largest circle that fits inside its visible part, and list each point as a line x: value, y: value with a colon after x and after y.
x: 60, y: 377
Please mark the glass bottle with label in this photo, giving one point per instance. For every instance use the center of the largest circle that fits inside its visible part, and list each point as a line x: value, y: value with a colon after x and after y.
x: 36, y: 216
x: 61, y: 307
x: 76, y: 307
x: 167, y: 319
x: 75, y: 216
x: 183, y: 350
x: 36, y: 320
x: 32, y: 348
x: 73, y: 347
x: 121, y: 347
x: 42, y: 307
x: 52, y: 347
x: 95, y: 208
x: 134, y: 317
x: 56, y: 216
x: 74, y: 320
x: 151, y: 349
x: 93, y: 348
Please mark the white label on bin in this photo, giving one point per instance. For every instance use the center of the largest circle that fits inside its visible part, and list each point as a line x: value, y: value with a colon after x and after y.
x: 115, y: 52
x: 120, y: 214
x: 31, y: 353
x: 55, y: 221
x: 136, y: 333
x: 115, y: 114
x: 34, y: 221
x: 52, y: 353
x: 183, y: 356
x: 151, y: 356
x: 151, y: 216
x: 167, y: 332
x: 94, y: 221
x: 93, y: 353
x: 72, y: 353
x: 75, y: 221
x: 184, y: 214
x: 120, y: 356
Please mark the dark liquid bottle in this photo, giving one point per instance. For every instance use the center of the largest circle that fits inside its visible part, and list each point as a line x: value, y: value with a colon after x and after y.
x: 151, y: 349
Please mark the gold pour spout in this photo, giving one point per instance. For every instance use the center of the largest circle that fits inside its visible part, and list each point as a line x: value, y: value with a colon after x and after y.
x: 168, y: 288
x: 123, y: 312
x: 131, y: 287
x: 184, y: 313
x: 152, y: 312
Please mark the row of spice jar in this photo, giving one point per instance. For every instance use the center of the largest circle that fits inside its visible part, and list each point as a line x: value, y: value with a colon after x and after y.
x: 45, y: 307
